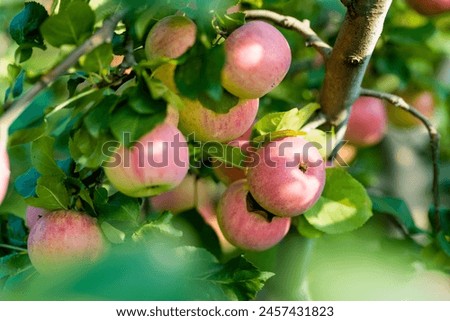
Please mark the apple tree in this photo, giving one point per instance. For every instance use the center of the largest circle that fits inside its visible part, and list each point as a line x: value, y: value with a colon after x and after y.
x: 224, y: 150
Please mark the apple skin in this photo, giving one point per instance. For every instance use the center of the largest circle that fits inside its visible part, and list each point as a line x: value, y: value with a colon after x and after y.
x: 33, y: 214
x: 4, y: 165
x: 367, y: 123
x: 423, y: 102
x: 180, y: 199
x: 170, y: 38
x: 248, y: 230
x: 287, y: 176
x: 430, y: 7
x: 207, y: 125
x: 141, y: 171
x: 258, y: 57
x: 64, y: 239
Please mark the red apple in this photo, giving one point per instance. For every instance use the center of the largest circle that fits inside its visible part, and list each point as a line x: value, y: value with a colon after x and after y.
x: 157, y: 163
x: 4, y: 164
x: 33, y: 214
x: 367, y: 122
x: 206, y: 125
x: 257, y: 59
x: 287, y: 176
x: 430, y: 7
x: 422, y: 101
x: 170, y: 38
x: 64, y: 239
x: 245, y: 227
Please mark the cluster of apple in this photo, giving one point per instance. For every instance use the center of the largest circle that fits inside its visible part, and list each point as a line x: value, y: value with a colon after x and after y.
x: 157, y: 164
x: 287, y: 175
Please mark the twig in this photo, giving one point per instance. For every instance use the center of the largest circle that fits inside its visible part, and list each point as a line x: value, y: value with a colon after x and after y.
x: 11, y: 247
x: 434, y: 141
x: 103, y: 35
x: 287, y: 22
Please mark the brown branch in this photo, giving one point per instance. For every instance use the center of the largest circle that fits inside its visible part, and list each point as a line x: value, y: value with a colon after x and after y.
x: 348, y: 61
x: 287, y: 22
x: 103, y: 35
x: 434, y: 141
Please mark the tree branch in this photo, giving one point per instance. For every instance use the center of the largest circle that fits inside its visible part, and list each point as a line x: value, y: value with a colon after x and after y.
x: 434, y: 141
x: 287, y: 22
x: 103, y: 35
x: 348, y: 61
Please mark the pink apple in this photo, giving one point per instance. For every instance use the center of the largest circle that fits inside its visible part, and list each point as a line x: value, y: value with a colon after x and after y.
x: 64, y: 239
x: 287, y: 176
x: 4, y: 164
x: 245, y: 227
x: 257, y: 59
x: 207, y: 125
x: 157, y: 163
x: 170, y: 38
x: 367, y: 122
x: 33, y: 214
x: 430, y: 7
x: 179, y: 199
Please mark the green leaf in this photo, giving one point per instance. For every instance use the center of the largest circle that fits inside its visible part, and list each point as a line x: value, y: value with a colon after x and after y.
x: 128, y: 126
x: 240, y: 279
x: 42, y: 157
x: 225, y: 153
x: 154, y: 229
x: 26, y: 183
x: 397, y: 208
x: 27, y: 135
x: 98, y: 59
x: 293, y: 119
x: 12, y: 264
x: 306, y: 229
x: 70, y: 26
x: 113, y: 234
x: 223, y: 106
x: 344, y: 205
x: 16, y: 231
x: 24, y: 27
x: 97, y: 120
x: 120, y: 211
x: 89, y: 151
x: 51, y: 194
x: 200, y: 75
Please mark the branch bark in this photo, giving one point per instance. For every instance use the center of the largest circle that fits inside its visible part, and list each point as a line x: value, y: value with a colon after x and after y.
x: 103, y: 35
x: 434, y: 141
x: 348, y: 61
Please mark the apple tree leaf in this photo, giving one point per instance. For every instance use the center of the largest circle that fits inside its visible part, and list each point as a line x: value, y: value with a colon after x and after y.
x: 293, y: 119
x: 51, y: 193
x: 344, y: 205
x: 70, y: 26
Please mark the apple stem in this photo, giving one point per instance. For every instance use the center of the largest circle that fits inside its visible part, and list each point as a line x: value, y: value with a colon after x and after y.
x: 399, y: 102
x: 103, y: 35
